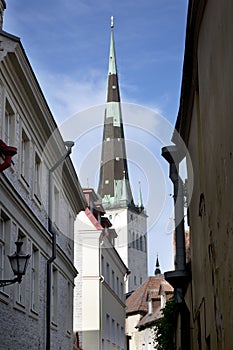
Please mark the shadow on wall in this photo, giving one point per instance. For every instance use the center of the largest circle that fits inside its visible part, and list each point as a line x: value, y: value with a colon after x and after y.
x: 76, y: 345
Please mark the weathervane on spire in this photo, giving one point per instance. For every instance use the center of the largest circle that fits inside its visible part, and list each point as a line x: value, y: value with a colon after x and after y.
x: 112, y: 22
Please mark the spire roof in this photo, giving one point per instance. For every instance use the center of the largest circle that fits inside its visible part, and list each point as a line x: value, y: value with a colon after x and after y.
x: 112, y: 68
x: 114, y: 186
x: 157, y: 265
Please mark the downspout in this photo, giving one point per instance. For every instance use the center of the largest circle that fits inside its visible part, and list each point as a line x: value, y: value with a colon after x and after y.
x: 52, y: 231
x: 180, y: 277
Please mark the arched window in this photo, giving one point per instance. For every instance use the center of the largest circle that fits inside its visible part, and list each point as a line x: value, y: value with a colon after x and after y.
x: 141, y: 243
x: 134, y: 240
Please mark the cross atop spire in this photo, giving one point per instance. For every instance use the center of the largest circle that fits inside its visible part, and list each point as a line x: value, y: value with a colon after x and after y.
x: 114, y: 186
x: 112, y: 22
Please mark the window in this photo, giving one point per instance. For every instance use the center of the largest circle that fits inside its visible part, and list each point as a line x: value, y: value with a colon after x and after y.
x: 135, y: 280
x: 137, y: 242
x: 122, y: 292
x: 69, y: 313
x: 4, y: 246
x: 113, y: 280
x: 113, y: 332
x: 118, y: 335
x: 25, y: 154
x: 145, y: 244
x: 37, y: 176
x: 107, y: 327
x: 103, y: 347
x: 122, y: 338
x: 9, y: 125
x: 117, y: 286
x: 134, y: 243
x: 34, y: 278
x: 54, y: 296
x: 129, y: 239
x: 107, y: 273
x: 141, y: 243
x: 70, y: 228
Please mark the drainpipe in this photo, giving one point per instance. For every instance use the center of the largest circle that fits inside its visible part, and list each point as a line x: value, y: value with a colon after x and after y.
x: 180, y: 276
x: 52, y: 231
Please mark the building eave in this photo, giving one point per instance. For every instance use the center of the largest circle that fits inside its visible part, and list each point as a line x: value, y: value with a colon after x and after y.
x: 189, y: 75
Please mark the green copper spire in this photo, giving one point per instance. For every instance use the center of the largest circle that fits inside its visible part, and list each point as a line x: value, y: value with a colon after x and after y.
x: 112, y: 68
x: 114, y: 186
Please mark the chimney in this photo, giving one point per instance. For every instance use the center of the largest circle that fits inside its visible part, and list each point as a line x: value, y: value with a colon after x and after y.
x: 2, y: 8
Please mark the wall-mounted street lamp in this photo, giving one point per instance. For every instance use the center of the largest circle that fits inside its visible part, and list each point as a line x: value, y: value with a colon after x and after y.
x: 19, y: 262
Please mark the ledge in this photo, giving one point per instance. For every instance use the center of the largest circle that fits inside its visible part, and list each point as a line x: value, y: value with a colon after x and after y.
x: 177, y: 278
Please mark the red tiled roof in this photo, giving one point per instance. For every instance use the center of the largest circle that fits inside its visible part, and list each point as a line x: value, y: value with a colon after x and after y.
x: 92, y: 219
x: 137, y: 301
x: 151, y: 289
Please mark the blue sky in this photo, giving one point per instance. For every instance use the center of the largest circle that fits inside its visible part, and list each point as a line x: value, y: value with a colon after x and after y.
x: 67, y: 43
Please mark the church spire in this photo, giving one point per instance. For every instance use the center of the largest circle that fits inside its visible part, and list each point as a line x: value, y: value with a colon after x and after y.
x: 114, y: 186
x: 157, y: 269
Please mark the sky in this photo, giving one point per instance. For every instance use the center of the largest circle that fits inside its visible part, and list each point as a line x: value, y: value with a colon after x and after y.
x: 67, y: 44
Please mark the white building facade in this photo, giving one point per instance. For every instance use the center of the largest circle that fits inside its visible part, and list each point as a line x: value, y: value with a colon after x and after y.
x: 99, y: 296
x: 27, y: 124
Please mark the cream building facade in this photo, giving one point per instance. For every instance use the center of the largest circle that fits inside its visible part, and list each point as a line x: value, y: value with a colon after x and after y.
x: 205, y: 123
x: 27, y: 124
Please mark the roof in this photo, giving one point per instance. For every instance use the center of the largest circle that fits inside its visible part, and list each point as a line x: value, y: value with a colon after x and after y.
x: 137, y: 301
x: 93, y: 219
x: 151, y: 289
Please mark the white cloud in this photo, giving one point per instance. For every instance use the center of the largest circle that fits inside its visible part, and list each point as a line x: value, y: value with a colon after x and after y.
x: 67, y: 95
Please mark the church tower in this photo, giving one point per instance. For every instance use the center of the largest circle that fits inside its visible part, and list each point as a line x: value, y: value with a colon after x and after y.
x: 129, y: 220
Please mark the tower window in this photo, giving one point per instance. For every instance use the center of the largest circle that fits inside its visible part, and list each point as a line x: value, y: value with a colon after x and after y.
x: 117, y: 158
x: 106, y: 182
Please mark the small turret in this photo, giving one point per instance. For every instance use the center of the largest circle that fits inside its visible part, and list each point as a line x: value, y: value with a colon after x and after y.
x: 157, y: 269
